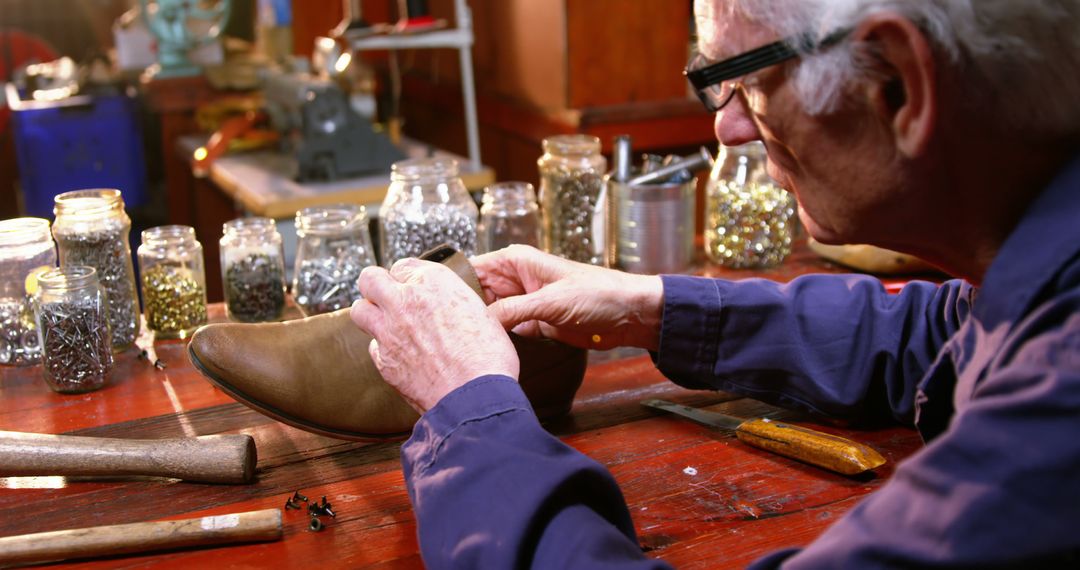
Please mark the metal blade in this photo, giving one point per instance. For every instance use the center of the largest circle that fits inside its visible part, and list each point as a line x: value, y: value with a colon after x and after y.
x: 713, y: 419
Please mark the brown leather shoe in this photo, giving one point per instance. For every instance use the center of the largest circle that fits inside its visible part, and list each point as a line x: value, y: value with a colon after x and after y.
x: 316, y: 374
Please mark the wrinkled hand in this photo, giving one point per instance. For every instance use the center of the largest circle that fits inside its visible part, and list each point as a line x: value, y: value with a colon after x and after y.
x: 538, y: 294
x: 432, y: 333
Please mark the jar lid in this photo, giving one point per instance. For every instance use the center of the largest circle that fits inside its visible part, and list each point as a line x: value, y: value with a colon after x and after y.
x: 96, y: 201
x: 69, y: 277
x: 423, y: 169
x: 168, y: 235
x: 18, y: 232
x: 249, y: 226
x: 512, y: 193
x: 335, y: 218
x: 572, y: 144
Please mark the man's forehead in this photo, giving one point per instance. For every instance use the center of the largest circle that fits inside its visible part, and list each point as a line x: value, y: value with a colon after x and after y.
x: 724, y: 32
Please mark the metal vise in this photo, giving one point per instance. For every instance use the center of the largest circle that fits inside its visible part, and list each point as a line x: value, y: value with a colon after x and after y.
x: 330, y: 139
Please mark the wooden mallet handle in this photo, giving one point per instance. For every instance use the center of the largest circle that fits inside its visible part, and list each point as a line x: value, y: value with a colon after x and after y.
x: 206, y: 459
x: 140, y: 537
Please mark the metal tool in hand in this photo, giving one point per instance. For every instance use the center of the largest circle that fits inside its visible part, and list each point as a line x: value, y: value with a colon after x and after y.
x: 825, y: 450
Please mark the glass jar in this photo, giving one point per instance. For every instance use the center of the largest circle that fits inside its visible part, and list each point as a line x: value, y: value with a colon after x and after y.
x: 334, y: 246
x: 91, y: 228
x: 73, y: 329
x: 748, y: 216
x: 173, y: 277
x: 573, y: 198
x: 426, y: 205
x: 26, y: 247
x: 253, y: 270
x: 508, y: 215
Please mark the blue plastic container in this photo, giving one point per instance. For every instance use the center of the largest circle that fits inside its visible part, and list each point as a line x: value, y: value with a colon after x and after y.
x: 80, y: 142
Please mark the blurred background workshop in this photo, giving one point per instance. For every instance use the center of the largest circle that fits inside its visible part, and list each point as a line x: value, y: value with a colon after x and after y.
x: 243, y: 160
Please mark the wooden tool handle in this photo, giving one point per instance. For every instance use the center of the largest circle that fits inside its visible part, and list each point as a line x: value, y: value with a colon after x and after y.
x: 207, y: 459
x: 140, y: 537
x: 824, y: 450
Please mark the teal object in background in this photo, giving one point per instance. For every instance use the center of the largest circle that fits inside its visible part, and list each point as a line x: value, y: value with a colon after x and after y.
x: 174, y: 23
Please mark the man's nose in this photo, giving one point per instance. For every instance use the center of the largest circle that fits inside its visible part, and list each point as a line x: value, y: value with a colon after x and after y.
x: 733, y: 124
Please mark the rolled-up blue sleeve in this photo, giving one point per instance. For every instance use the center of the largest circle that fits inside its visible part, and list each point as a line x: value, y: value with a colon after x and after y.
x: 837, y: 345
x: 492, y: 489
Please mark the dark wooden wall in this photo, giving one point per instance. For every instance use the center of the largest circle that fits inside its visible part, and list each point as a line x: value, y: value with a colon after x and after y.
x: 602, y: 67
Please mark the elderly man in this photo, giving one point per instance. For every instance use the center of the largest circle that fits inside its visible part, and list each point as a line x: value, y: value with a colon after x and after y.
x: 949, y: 129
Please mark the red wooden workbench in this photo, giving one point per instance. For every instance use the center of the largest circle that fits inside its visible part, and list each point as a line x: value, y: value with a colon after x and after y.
x: 735, y: 504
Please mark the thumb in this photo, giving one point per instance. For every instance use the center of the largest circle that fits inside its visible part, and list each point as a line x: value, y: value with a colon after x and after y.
x: 512, y: 311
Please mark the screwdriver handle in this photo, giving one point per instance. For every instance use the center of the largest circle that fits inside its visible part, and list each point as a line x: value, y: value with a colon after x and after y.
x: 824, y: 450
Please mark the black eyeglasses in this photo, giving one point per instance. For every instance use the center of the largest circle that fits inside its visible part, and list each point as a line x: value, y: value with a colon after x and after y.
x: 713, y: 81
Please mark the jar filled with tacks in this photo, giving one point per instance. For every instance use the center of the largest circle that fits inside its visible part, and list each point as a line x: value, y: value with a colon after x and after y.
x: 334, y: 245
x: 573, y: 201
x: 253, y: 270
x: 73, y: 327
x: 426, y: 205
x: 173, y: 278
x: 91, y: 228
x: 26, y: 249
x: 749, y: 219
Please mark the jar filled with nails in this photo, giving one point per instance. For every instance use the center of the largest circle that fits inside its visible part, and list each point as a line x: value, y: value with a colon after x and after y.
x: 573, y: 201
x: 73, y: 327
x: 426, y: 205
x: 173, y: 281
x: 253, y: 270
x: 334, y: 245
x: 91, y: 228
x: 26, y: 249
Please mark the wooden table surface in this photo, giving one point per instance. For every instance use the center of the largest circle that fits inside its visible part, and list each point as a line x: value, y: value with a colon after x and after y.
x: 699, y: 498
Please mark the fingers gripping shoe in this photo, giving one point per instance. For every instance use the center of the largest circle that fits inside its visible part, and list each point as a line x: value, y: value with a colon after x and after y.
x: 315, y: 373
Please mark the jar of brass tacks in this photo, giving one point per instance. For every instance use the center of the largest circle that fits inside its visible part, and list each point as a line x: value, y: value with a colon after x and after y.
x: 426, y: 205
x: 749, y: 218
x: 73, y: 327
x: 334, y: 246
x: 173, y: 278
x: 26, y: 248
x: 91, y: 228
x: 573, y: 199
x: 253, y: 270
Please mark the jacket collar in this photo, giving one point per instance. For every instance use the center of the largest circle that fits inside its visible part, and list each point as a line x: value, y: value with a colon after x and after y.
x: 1045, y: 240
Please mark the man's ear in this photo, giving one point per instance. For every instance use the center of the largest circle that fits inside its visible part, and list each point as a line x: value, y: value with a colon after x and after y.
x: 903, y: 91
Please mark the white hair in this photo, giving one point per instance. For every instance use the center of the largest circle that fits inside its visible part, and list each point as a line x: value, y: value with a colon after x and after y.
x: 1019, y: 58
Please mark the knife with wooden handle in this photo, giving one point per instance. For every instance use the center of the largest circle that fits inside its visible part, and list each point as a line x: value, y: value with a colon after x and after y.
x: 825, y: 450
x: 206, y: 459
